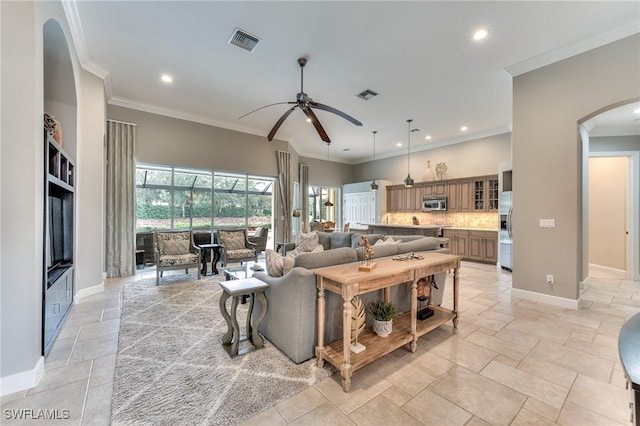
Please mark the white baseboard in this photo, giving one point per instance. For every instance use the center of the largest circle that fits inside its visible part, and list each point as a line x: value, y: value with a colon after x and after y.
x: 546, y: 298
x: 89, y: 291
x: 616, y: 272
x: 22, y: 381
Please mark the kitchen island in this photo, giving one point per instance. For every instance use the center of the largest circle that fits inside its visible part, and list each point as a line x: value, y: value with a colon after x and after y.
x: 397, y: 229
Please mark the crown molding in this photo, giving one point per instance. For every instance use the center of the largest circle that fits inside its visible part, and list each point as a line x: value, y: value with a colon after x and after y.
x: 70, y: 8
x: 573, y: 49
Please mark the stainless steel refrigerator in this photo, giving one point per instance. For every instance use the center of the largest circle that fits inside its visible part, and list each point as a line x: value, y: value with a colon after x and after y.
x: 505, y: 237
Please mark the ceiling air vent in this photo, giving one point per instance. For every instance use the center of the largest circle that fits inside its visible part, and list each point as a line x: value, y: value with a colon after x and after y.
x: 367, y: 94
x: 244, y: 40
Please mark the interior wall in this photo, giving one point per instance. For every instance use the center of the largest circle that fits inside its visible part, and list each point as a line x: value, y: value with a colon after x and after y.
x: 608, y: 177
x: 547, y: 106
x: 477, y: 157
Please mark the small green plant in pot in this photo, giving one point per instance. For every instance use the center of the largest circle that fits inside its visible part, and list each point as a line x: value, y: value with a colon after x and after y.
x: 383, y: 314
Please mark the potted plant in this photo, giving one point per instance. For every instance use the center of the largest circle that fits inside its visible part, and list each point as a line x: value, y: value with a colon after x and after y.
x: 383, y: 314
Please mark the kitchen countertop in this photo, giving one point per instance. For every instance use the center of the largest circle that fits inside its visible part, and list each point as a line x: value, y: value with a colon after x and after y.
x: 397, y: 225
x: 456, y: 228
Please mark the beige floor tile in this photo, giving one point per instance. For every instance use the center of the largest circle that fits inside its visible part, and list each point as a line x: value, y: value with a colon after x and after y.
x: 68, y: 397
x: 102, y: 370
x: 526, y: 417
x: 601, y: 398
x: 465, y: 354
x: 429, y: 363
x: 270, y: 417
x: 541, y: 328
x: 55, y: 377
x: 405, y: 376
x: 326, y: 414
x: 300, y: 404
x: 476, y: 421
x: 83, y: 318
x: 572, y: 359
x: 95, y: 348
x: 526, y: 383
x: 380, y: 412
x: 498, y: 316
x: 507, y: 348
x: 507, y: 361
x: 432, y: 409
x: 552, y: 372
x: 98, y: 329
x: 365, y: 385
x: 485, y: 322
x: 540, y: 408
x: 596, y: 297
x: 97, y: 410
x: 489, y: 400
x: 396, y: 395
x: 12, y: 396
x: 572, y: 415
x: 594, y: 348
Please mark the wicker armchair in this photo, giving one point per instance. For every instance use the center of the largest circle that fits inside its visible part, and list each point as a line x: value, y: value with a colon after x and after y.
x: 175, y: 250
x: 260, y: 239
x: 236, y: 247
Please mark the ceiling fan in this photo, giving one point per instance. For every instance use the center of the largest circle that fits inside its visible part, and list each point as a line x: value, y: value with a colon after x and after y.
x: 305, y: 103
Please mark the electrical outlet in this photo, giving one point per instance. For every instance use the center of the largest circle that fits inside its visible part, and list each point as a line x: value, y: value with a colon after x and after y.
x: 549, y: 279
x: 547, y: 223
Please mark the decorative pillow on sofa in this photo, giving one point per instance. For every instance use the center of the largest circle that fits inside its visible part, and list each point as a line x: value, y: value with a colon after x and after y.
x: 388, y: 240
x: 278, y: 265
x: 308, y: 241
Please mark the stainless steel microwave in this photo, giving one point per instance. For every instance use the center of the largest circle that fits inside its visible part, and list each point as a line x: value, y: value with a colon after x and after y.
x: 431, y: 204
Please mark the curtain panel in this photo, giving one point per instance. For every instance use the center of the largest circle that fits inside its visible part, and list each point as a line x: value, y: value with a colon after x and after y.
x: 304, y: 197
x: 283, y: 159
x: 121, y: 199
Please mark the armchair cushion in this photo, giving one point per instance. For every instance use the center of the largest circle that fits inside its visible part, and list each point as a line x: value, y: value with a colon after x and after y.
x: 232, y: 240
x: 176, y: 247
x: 178, y: 259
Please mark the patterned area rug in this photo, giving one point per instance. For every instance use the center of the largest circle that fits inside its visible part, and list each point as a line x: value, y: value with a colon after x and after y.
x: 172, y: 367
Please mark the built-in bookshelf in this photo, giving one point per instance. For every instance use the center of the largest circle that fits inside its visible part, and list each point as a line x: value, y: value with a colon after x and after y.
x: 58, y: 282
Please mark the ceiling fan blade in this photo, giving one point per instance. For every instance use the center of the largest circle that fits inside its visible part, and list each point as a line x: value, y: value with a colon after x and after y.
x: 266, y: 106
x: 316, y: 123
x: 335, y: 111
x: 273, y: 131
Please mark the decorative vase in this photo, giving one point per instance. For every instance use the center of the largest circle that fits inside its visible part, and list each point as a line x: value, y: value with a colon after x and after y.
x: 429, y: 175
x: 382, y: 328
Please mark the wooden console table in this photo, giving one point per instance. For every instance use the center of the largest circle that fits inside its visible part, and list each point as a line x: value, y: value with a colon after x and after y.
x: 347, y: 281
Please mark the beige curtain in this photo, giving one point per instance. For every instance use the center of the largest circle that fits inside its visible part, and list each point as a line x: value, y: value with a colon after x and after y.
x: 121, y: 199
x: 304, y: 197
x: 283, y: 159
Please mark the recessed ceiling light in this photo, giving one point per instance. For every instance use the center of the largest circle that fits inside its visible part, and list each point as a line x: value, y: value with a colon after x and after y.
x: 636, y: 111
x: 308, y: 120
x: 166, y: 78
x: 464, y: 128
x: 481, y: 34
x: 428, y: 137
x: 399, y: 144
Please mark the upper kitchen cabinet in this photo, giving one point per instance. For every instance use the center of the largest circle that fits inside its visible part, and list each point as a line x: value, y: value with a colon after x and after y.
x: 485, y: 194
x: 396, y: 198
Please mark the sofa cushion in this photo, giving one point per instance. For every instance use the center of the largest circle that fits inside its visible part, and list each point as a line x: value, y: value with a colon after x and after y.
x: 381, y: 250
x: 327, y: 258
x: 340, y: 239
x: 232, y: 240
x: 422, y: 244
x: 324, y: 238
x: 308, y: 241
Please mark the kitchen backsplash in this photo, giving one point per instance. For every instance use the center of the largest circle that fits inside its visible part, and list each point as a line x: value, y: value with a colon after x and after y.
x: 456, y: 220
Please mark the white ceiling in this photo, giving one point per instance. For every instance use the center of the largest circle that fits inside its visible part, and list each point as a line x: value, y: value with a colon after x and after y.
x: 419, y: 57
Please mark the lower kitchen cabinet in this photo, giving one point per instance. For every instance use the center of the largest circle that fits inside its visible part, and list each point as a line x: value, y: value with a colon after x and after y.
x: 478, y: 246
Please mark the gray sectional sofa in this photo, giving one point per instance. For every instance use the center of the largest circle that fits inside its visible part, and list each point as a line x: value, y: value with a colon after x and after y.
x: 291, y: 319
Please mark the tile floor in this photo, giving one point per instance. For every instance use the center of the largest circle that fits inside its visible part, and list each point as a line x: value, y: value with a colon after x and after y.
x: 511, y: 361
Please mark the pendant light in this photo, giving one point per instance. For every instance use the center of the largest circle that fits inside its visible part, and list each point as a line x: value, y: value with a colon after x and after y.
x: 328, y: 203
x: 374, y: 185
x: 408, y: 181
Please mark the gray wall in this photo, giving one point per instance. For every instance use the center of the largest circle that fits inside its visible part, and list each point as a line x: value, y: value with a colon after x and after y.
x: 477, y: 157
x: 547, y: 159
x: 21, y: 181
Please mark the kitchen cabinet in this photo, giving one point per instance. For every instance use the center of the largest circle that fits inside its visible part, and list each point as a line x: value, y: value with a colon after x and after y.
x: 396, y: 199
x: 474, y: 194
x: 479, y: 246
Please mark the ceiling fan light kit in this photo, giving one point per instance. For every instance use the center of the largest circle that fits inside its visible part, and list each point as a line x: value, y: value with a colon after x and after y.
x: 306, y: 104
x: 408, y: 181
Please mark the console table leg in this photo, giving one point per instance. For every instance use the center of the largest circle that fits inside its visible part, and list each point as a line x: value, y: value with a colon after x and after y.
x: 236, y: 328
x: 321, y: 308
x: 258, y: 341
x: 228, y: 336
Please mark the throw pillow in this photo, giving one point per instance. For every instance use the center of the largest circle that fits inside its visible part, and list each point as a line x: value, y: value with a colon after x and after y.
x: 174, y: 247
x: 274, y: 262
x: 308, y: 241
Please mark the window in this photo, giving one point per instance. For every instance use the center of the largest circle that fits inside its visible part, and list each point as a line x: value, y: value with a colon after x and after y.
x: 318, y: 211
x: 177, y: 198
